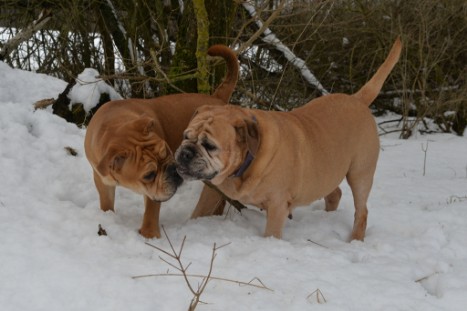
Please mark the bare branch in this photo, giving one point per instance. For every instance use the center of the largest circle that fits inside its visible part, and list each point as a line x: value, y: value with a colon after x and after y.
x: 261, y: 29
x: 270, y: 38
x: 240, y: 283
x: 25, y: 34
x: 183, y: 269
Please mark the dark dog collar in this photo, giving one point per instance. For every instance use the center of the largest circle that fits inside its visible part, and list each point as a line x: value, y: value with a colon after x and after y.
x: 245, y: 165
x: 249, y: 157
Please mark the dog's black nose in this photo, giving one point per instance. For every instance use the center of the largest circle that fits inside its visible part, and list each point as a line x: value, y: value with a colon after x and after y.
x: 186, y: 155
x: 173, y: 174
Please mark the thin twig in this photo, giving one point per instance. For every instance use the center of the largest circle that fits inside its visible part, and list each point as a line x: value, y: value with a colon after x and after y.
x: 317, y: 243
x: 426, y: 277
x: 390, y: 121
x: 389, y: 132
x: 240, y: 283
x: 425, y: 150
x: 159, y: 70
x: 179, y: 266
x: 319, y: 295
x: 263, y: 27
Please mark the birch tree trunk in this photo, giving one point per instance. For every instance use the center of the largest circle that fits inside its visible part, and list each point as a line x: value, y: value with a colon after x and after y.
x: 270, y: 38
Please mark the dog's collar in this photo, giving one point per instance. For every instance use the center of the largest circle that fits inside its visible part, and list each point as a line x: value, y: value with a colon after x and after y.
x: 245, y: 165
x: 248, y: 159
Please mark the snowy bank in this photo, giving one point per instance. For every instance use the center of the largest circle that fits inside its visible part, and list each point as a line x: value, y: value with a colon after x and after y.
x: 414, y: 256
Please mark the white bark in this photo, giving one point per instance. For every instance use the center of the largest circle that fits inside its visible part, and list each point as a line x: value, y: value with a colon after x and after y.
x: 131, y: 48
x: 25, y: 34
x: 270, y: 38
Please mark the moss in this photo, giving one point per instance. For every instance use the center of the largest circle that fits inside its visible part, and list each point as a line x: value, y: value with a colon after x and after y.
x: 202, y: 24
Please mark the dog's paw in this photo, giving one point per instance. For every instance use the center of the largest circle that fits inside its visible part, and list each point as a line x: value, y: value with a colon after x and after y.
x: 149, y: 233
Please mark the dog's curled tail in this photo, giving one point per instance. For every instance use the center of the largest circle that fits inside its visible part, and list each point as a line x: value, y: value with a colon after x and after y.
x: 226, y: 88
x: 370, y: 90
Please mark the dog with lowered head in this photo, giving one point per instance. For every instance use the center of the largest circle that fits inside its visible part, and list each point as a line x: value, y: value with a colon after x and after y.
x: 280, y: 160
x: 130, y: 143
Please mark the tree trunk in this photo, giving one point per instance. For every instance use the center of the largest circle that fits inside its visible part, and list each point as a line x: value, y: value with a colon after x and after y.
x: 184, y: 60
x: 220, y: 16
x: 116, y: 28
x: 221, y: 20
x: 202, y: 42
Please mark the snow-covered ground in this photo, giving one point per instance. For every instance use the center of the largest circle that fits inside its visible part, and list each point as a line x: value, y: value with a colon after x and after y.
x: 51, y: 258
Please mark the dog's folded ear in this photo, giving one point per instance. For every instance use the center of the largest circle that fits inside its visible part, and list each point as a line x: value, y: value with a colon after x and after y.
x: 162, y: 150
x: 113, y: 160
x: 247, y: 131
x: 201, y: 109
x: 145, y: 125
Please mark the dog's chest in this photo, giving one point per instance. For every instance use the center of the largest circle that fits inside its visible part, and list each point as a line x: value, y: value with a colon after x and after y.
x: 244, y: 191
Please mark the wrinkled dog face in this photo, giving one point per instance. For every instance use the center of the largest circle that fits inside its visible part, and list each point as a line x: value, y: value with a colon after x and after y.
x: 214, y: 145
x: 145, y: 166
x: 154, y: 175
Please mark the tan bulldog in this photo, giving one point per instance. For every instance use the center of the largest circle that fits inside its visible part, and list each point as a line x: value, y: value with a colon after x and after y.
x: 280, y: 160
x: 130, y: 143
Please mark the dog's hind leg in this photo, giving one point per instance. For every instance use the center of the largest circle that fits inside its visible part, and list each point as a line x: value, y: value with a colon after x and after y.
x: 332, y: 199
x: 210, y: 203
x: 360, y: 186
x: 106, y: 194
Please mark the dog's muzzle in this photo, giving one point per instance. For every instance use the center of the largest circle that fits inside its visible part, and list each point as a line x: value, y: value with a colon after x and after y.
x: 186, y: 155
x: 183, y: 159
x: 190, y: 165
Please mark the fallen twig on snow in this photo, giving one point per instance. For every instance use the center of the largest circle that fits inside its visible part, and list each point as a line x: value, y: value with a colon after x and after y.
x: 319, y: 296
x: 180, y: 266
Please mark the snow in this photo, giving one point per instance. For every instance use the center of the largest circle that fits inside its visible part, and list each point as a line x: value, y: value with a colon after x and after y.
x: 51, y: 258
x: 19, y: 86
x: 88, y: 89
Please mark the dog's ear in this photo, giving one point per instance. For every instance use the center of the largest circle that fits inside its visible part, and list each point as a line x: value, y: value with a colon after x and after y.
x: 201, y: 109
x: 248, y: 132
x: 149, y: 127
x: 162, y: 150
x: 112, y: 161
x: 204, y: 108
x: 145, y: 125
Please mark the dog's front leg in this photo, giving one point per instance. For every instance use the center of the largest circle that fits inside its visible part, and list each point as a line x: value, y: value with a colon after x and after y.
x: 150, y: 227
x: 106, y: 194
x: 210, y: 203
x: 277, y: 214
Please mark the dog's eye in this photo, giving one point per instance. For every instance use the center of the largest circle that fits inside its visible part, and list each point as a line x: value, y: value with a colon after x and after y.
x: 208, y: 146
x: 185, y: 135
x: 149, y: 177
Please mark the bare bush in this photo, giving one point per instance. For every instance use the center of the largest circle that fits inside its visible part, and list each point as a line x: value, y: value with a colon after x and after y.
x: 344, y: 42
x: 177, y: 263
x: 150, y: 48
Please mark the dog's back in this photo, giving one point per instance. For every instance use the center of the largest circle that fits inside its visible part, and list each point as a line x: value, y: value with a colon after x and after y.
x: 172, y: 112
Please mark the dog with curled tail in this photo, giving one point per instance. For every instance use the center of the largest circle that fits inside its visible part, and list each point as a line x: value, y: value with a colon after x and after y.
x: 130, y: 143
x: 280, y: 160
